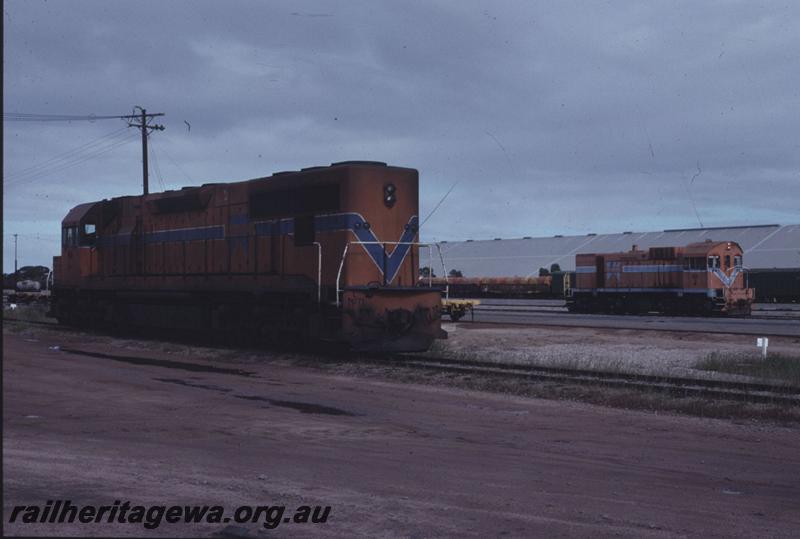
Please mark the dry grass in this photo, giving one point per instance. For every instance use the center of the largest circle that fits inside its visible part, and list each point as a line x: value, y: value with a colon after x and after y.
x: 34, y: 312
x: 777, y: 367
x: 653, y: 402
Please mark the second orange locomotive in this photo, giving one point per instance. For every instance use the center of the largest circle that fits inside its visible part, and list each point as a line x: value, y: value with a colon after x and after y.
x: 700, y: 278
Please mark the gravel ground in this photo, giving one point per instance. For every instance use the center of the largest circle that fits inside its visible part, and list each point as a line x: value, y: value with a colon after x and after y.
x: 167, y: 425
x: 653, y: 352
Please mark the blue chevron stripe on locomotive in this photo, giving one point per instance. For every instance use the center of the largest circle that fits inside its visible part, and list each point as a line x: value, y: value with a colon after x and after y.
x: 355, y: 223
x: 727, y: 281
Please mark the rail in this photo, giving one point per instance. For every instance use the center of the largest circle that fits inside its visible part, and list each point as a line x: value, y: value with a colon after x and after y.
x: 753, y: 392
x: 383, y: 244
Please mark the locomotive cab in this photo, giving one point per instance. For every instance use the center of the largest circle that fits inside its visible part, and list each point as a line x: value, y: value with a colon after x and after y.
x: 723, y: 276
x: 78, y: 245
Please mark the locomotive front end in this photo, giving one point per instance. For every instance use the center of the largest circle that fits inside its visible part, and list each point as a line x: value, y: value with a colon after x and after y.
x: 391, y: 319
x: 382, y: 308
x: 726, y: 278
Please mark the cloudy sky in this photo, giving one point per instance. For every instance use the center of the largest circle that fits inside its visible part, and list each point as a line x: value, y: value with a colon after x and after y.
x: 549, y: 117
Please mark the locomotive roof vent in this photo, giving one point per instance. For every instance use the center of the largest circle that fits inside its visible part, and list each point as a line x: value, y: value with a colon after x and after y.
x: 312, y: 168
x: 627, y: 232
x: 282, y: 172
x: 558, y: 236
x: 527, y: 238
x: 592, y: 234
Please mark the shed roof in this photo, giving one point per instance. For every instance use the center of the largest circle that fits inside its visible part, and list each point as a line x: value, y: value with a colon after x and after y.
x: 764, y: 246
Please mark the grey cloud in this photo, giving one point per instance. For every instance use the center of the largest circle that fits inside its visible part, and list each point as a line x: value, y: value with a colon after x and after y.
x: 554, y: 118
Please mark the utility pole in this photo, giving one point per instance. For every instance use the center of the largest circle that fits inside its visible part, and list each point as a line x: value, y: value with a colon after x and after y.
x: 15, y: 261
x: 143, y: 119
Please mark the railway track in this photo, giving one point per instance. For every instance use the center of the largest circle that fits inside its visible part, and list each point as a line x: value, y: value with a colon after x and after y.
x: 512, y: 309
x: 753, y: 392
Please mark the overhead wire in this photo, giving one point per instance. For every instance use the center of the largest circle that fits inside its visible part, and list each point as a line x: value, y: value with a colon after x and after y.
x: 62, y: 164
x: 155, y: 165
x: 67, y: 154
x: 26, y: 117
x: 164, y: 151
x: 439, y: 203
x: 47, y: 172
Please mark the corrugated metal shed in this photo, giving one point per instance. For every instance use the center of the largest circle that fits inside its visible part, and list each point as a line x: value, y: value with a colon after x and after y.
x: 765, y: 246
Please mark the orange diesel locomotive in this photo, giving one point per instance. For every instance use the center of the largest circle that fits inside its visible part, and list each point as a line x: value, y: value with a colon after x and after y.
x: 325, y: 253
x: 700, y: 278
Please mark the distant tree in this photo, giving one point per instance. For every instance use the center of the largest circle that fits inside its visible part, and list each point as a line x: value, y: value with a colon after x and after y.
x: 456, y: 273
x: 543, y: 272
x: 554, y: 268
x: 26, y: 273
x: 426, y: 272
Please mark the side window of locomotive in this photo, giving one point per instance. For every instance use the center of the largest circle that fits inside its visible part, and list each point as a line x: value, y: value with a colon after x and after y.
x: 737, y: 261
x: 696, y: 263
x: 69, y: 236
x: 304, y: 230
x: 89, y: 234
x: 713, y: 262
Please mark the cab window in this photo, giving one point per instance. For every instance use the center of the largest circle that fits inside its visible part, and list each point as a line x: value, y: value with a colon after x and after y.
x: 695, y: 263
x: 69, y: 236
x: 713, y: 262
x: 737, y: 261
x: 727, y: 261
x: 89, y: 234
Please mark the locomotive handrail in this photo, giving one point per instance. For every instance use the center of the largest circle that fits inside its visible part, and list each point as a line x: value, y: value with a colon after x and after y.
x: 319, y: 271
x: 444, y: 270
x: 384, y: 244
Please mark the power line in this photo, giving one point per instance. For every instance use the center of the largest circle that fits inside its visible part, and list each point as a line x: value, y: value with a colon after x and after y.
x: 165, y: 152
x: 27, y: 117
x: 57, y: 164
x: 439, y: 203
x: 157, y: 167
x: 70, y: 161
x: 64, y: 156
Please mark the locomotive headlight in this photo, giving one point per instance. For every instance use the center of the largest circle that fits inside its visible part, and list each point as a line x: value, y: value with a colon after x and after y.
x: 389, y: 195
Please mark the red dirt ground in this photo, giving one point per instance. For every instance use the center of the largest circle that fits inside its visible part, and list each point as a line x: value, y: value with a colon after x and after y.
x: 403, y: 460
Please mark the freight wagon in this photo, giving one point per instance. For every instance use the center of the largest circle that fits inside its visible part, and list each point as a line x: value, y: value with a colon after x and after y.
x: 549, y: 286
x: 776, y: 285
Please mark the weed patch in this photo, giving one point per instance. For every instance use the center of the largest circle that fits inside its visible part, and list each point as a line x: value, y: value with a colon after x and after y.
x: 780, y: 367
